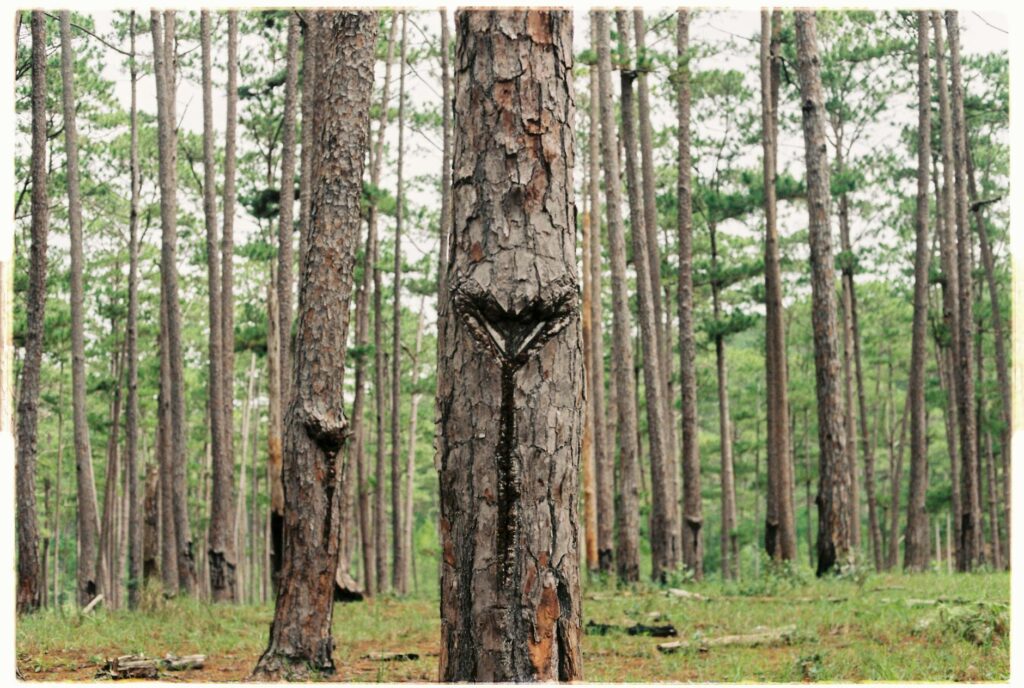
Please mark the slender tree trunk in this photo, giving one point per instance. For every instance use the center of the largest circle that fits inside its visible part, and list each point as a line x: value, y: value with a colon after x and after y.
x: 410, y: 462
x: 151, y: 525
x: 780, y: 524
x: 243, y: 581
x: 693, y: 519
x: 317, y: 430
x: 589, y: 486
x: 168, y: 533
x: 29, y: 577
x: 897, y: 472
x: 627, y: 511
x: 89, y: 580
x: 835, y: 544
x: 59, y: 497
x: 513, y: 377
x: 107, y: 572
x: 274, y: 426
x: 306, y: 134
x: 916, y: 555
x: 604, y: 456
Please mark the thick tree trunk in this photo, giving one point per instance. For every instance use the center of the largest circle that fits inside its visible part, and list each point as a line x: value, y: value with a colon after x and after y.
x: 513, y: 376
x: 693, y: 519
x: 29, y: 576
x: 780, y: 523
x: 916, y: 553
x: 89, y: 582
x: 664, y: 537
x: 604, y: 455
x: 317, y: 430
x: 400, y: 563
x: 970, y: 548
x: 835, y: 544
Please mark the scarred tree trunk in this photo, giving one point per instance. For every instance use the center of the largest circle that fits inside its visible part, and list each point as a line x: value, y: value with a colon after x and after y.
x: 780, y: 523
x: 89, y: 583
x: 29, y: 574
x: 513, y: 376
x: 693, y: 519
x: 627, y: 510
x: 317, y: 430
x: 835, y: 546
x: 916, y: 552
x: 604, y: 456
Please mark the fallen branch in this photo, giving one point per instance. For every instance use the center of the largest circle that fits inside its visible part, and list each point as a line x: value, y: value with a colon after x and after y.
x: 685, y: 594
x: 89, y: 607
x: 777, y: 636
x: 666, y: 631
x: 392, y: 656
x: 140, y: 666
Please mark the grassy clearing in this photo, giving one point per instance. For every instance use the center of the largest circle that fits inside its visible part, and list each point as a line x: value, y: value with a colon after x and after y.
x: 878, y: 628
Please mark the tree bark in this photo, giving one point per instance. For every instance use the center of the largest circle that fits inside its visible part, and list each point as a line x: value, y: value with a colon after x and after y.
x: 835, y: 544
x: 916, y: 553
x: 274, y: 426
x: 780, y: 523
x: 408, y: 521
x: 513, y: 376
x: 317, y: 430
x: 29, y: 576
x: 589, y: 486
x: 693, y: 519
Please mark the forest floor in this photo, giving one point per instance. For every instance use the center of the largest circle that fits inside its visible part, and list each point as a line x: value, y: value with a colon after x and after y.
x: 879, y: 627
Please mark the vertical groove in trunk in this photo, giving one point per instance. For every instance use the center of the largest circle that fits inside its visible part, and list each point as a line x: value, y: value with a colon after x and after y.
x: 513, y: 375
x: 835, y: 546
x: 916, y: 552
x: 29, y: 594
x: 317, y: 431
x: 693, y: 519
x: 627, y: 510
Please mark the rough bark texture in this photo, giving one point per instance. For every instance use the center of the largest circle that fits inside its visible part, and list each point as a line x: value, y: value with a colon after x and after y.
x: 29, y: 574
x: 849, y: 346
x: 916, y: 547
x: 627, y: 509
x: 89, y: 583
x: 969, y: 549
x: 663, y: 535
x: 693, y: 519
x: 834, y: 528
x: 513, y: 376
x: 780, y: 520
x: 275, y: 426
x: 317, y: 430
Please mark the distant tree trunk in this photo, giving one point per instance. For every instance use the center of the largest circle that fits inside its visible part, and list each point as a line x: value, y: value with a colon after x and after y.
x: 89, y: 581
x: 274, y: 425
x: 220, y: 542
x: 970, y: 548
x: 948, y: 257
x: 410, y: 462
x: 106, y: 571
x: 513, y: 376
x: 604, y: 456
x: 400, y: 563
x: 896, y: 461
x: 168, y: 533
x: 780, y: 523
x: 916, y: 554
x: 29, y: 576
x: 151, y: 525
x: 693, y: 519
x: 446, y: 199
x: 243, y: 575
x: 589, y: 477
x: 306, y: 133
x: 317, y: 430
x: 627, y: 510
x: 835, y: 545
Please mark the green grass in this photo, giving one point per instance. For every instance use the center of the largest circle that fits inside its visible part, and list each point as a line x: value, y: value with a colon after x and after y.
x: 873, y: 627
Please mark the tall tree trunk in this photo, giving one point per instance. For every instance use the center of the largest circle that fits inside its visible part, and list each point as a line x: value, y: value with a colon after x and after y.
x: 106, y: 571
x: 896, y: 461
x: 604, y: 456
x: 589, y: 486
x: 949, y: 260
x: 241, y: 504
x: 969, y: 549
x: 274, y: 426
x: 400, y: 564
x: 220, y: 542
x: 306, y: 134
x: 916, y: 554
x: 317, y: 430
x: 835, y: 544
x: 693, y: 519
x: 151, y: 525
x: 410, y: 462
x: 168, y: 532
x: 664, y: 538
x: 513, y: 376
x: 89, y: 581
x: 627, y: 510
x: 780, y: 523
x: 29, y: 576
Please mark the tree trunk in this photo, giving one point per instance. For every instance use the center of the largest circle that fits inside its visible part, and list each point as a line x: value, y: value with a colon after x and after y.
x: 286, y: 224
x: 513, y: 373
x: 168, y: 533
x: 604, y: 456
x: 693, y: 519
x: 835, y: 544
x: 29, y: 576
x: 317, y: 430
x: 849, y: 346
x: 151, y: 525
x: 916, y: 555
x: 969, y: 549
x: 896, y: 459
x: 89, y: 582
x: 410, y: 462
x: 107, y: 572
x: 780, y: 523
x: 589, y: 486
x: 274, y: 427
x: 243, y: 577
